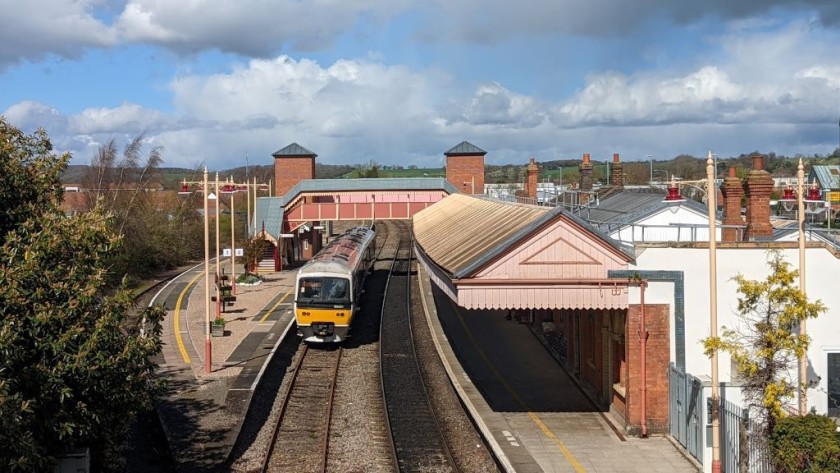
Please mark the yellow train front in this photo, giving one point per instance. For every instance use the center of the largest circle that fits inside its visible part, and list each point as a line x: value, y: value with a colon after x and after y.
x: 328, y: 287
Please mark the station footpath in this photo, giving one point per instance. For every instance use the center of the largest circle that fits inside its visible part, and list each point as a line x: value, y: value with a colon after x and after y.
x: 201, y: 413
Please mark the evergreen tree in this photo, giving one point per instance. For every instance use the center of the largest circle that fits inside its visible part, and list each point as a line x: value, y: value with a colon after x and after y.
x: 75, y: 365
x: 766, y: 345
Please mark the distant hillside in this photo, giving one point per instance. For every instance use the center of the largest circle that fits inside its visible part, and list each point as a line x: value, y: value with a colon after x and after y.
x: 635, y: 172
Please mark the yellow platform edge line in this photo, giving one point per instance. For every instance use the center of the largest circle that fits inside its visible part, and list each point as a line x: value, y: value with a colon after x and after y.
x: 177, y: 321
x: 510, y: 389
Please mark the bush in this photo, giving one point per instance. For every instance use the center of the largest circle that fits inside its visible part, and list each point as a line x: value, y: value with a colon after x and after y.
x: 808, y: 444
x: 249, y: 278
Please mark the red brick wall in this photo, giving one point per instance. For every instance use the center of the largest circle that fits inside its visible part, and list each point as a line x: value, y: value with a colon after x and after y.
x: 461, y: 169
x: 757, y: 189
x: 658, y: 356
x: 532, y: 184
x: 732, y: 193
x: 288, y: 171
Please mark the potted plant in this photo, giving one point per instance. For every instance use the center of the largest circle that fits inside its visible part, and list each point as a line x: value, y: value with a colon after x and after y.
x: 217, y: 327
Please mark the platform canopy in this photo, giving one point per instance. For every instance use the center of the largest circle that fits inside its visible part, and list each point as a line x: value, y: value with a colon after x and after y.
x: 489, y: 254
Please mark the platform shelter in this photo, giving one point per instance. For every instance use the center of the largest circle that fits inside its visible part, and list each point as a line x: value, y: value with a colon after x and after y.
x: 550, y: 269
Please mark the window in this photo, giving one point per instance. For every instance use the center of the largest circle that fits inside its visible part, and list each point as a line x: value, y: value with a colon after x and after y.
x: 324, y: 291
x: 833, y: 383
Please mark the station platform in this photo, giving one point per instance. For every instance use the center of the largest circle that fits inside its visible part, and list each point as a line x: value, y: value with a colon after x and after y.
x: 201, y: 412
x: 530, y: 411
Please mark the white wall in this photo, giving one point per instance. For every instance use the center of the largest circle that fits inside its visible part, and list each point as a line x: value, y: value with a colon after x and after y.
x: 821, y: 271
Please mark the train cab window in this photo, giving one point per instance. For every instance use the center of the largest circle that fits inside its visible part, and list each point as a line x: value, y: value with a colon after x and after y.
x: 310, y: 289
x: 324, y: 291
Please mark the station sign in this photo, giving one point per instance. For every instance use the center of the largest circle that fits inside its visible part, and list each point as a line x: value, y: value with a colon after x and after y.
x: 833, y: 196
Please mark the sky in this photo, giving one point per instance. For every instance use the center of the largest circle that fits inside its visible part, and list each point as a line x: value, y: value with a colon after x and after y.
x: 400, y: 82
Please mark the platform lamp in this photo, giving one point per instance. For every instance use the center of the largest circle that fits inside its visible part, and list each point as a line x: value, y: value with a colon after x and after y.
x: 675, y: 199
x: 208, y: 344
x: 230, y: 188
x: 810, y: 200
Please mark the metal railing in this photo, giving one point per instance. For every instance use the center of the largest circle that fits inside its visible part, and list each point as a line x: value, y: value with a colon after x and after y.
x: 741, y: 449
x: 686, y: 413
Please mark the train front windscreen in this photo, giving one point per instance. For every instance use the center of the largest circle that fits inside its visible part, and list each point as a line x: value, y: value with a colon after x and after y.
x: 324, y: 292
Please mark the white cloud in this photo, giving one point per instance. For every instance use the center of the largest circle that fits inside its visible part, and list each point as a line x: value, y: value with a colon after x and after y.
x: 32, y: 29
x: 786, y: 77
x: 495, y: 20
x: 122, y: 120
x: 253, y: 28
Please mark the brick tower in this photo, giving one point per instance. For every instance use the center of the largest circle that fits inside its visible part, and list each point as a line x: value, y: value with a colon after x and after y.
x: 465, y: 167
x: 292, y: 164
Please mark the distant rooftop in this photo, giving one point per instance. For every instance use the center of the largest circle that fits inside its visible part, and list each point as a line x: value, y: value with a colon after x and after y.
x: 293, y: 150
x: 465, y: 148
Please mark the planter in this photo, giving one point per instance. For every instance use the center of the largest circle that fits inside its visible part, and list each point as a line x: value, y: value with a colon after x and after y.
x: 217, y: 328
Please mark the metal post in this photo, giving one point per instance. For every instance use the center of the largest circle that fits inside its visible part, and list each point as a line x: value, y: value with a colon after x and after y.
x: 651, y: 169
x: 248, y: 208
x: 711, y: 195
x: 208, y: 345
x: 218, y: 256
x: 232, y: 240
x: 803, y: 360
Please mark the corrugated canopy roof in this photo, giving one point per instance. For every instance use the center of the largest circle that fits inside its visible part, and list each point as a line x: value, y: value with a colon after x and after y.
x: 632, y: 205
x: 461, y: 233
x: 268, y: 214
x: 370, y: 184
x: 828, y: 176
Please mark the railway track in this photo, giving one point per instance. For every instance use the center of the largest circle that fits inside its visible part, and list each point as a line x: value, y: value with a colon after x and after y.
x: 419, y: 444
x: 301, y: 434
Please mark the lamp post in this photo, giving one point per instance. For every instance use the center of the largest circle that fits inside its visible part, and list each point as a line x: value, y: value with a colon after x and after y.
x: 208, y: 344
x: 811, y: 199
x: 650, y: 157
x: 230, y: 188
x: 674, y: 197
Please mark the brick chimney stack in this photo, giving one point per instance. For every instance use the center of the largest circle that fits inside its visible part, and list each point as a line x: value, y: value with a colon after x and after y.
x: 732, y: 193
x: 617, y: 172
x: 757, y: 188
x: 586, y: 179
x: 533, y: 173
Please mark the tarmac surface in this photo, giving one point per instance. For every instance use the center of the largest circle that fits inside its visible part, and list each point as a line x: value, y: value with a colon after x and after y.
x: 202, y: 412
x: 531, y: 413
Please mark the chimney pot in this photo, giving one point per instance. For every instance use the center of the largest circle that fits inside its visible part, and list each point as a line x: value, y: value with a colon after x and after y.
x: 732, y: 172
x: 586, y: 158
x: 758, y: 162
x: 616, y: 158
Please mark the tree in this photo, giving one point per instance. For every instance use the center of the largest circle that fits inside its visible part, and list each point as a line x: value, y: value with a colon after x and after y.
x: 766, y: 346
x: 75, y: 367
x: 158, y: 233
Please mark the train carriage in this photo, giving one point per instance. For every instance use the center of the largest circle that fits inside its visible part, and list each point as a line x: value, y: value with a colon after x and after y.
x: 328, y: 287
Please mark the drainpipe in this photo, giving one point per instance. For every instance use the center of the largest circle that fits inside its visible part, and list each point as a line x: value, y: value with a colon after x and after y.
x: 643, y: 336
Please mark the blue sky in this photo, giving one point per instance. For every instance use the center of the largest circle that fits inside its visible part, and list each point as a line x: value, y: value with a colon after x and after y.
x: 402, y: 81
